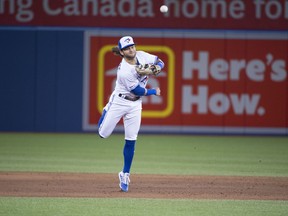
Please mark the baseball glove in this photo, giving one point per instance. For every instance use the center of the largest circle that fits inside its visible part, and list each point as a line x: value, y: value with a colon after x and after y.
x: 148, y: 69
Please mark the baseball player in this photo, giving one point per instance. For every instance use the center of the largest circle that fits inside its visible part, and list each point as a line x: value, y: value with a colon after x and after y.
x: 125, y: 102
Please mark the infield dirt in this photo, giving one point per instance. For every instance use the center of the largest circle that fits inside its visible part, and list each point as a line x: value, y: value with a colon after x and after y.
x: 26, y: 184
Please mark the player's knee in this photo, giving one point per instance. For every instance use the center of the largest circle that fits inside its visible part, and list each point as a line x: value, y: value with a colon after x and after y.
x: 102, y: 135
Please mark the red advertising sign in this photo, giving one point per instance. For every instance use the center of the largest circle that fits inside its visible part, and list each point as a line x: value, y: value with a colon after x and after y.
x: 211, y: 82
x: 182, y: 14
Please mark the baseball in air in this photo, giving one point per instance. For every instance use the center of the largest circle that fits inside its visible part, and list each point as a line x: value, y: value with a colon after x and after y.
x: 164, y: 9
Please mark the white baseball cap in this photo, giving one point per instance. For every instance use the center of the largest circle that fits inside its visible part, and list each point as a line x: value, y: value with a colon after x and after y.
x: 125, y: 41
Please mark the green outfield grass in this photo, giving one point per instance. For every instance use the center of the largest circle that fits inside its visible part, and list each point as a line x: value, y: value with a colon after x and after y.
x: 155, y: 154
x: 187, y: 155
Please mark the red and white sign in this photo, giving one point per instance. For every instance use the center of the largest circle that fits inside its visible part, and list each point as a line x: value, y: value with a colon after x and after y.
x: 182, y: 14
x: 222, y: 83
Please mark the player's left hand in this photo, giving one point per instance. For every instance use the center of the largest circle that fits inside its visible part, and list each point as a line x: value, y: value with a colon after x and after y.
x: 148, y: 69
x: 156, y: 69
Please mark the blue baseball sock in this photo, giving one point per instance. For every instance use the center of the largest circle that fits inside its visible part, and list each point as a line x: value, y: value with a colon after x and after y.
x: 128, y: 153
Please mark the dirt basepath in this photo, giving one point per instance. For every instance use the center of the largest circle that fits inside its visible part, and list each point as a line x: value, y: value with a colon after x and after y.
x: 22, y: 184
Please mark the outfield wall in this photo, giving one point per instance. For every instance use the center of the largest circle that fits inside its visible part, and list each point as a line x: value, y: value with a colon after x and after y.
x: 224, y: 74
x: 41, y: 80
x: 213, y: 81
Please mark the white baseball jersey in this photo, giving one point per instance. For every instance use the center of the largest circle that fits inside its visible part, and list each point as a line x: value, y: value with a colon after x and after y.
x: 127, y: 77
x: 118, y: 107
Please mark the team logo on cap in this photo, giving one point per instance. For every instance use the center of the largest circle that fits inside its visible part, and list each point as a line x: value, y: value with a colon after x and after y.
x: 127, y: 40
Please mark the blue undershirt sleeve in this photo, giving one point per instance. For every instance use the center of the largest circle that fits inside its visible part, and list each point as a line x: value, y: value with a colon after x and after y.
x: 151, y: 92
x: 140, y: 91
x: 160, y: 63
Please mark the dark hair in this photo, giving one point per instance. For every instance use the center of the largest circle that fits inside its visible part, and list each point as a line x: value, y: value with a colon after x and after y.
x: 116, y: 51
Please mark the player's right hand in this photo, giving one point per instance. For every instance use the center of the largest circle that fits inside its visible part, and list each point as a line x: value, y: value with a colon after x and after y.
x: 158, y: 91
